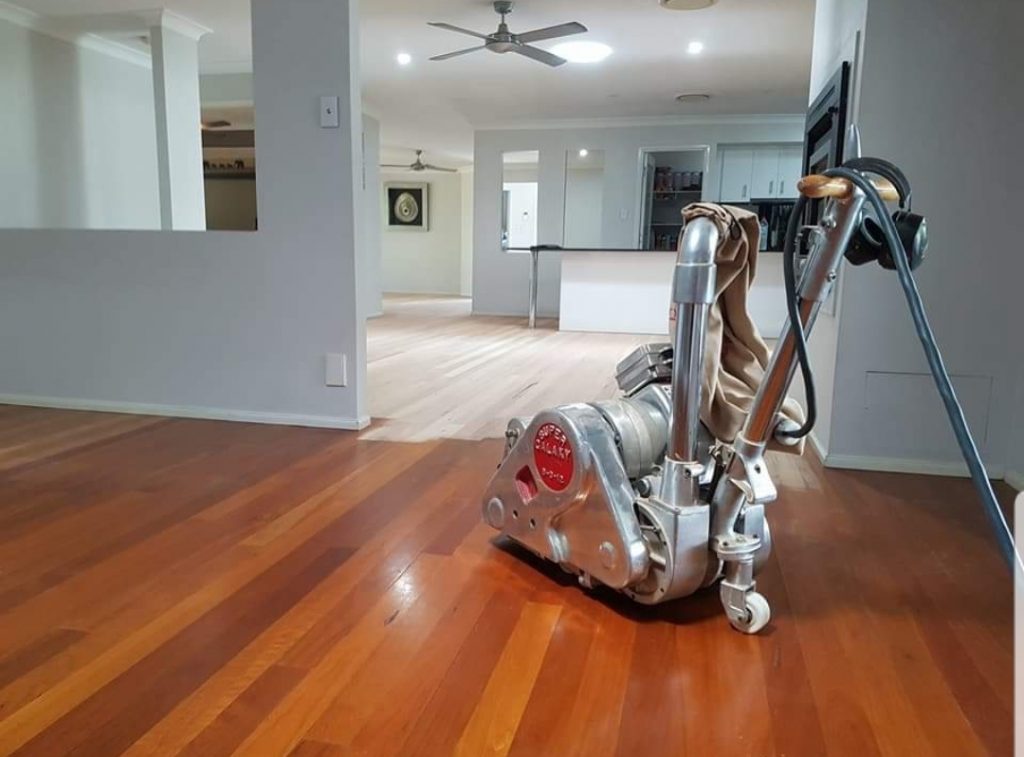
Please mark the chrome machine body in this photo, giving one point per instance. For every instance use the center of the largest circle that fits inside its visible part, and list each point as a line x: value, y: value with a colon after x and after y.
x: 633, y: 493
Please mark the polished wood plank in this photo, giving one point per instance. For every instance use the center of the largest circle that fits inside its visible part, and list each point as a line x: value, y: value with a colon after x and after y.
x: 495, y: 719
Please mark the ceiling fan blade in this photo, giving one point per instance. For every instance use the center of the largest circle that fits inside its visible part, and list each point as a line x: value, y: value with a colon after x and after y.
x: 459, y: 29
x: 542, y: 56
x: 395, y: 165
x: 551, y: 32
x: 430, y: 167
x: 457, y: 53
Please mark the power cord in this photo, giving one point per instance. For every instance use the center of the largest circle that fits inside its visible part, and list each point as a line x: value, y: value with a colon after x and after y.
x: 793, y: 310
x: 954, y: 411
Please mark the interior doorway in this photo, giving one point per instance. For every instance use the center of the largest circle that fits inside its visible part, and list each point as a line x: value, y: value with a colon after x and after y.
x: 671, y: 180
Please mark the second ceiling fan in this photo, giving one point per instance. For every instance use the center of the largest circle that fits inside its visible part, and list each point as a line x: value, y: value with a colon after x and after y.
x: 504, y: 41
x: 418, y: 165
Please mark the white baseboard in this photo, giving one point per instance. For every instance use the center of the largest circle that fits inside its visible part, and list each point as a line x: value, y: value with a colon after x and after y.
x: 510, y: 314
x: 440, y: 293
x: 1014, y: 479
x: 818, y: 448
x: 185, y: 411
x: 905, y: 465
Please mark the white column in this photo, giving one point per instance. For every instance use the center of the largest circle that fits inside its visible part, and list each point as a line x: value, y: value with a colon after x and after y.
x: 175, y: 45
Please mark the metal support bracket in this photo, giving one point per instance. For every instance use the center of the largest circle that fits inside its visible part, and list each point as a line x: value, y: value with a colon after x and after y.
x: 755, y: 482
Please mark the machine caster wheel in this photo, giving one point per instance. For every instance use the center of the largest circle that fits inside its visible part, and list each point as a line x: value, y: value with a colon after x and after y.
x: 757, y: 616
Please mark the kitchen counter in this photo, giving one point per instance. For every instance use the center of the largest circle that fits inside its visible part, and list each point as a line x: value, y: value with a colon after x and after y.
x: 629, y: 292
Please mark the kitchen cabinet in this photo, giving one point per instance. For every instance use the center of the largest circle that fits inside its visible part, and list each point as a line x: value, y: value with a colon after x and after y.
x: 737, y: 171
x: 765, y: 173
x: 791, y: 167
x: 759, y: 173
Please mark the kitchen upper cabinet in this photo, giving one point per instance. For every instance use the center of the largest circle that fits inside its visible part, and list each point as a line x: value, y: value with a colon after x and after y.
x: 765, y: 176
x: 791, y: 166
x: 760, y: 173
x: 737, y: 173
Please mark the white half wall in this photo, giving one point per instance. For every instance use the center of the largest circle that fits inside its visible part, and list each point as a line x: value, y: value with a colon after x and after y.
x: 77, y: 145
x: 501, y: 279
x: 425, y: 262
x: 219, y: 324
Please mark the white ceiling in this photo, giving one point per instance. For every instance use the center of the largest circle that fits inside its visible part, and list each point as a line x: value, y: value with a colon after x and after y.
x: 756, y: 60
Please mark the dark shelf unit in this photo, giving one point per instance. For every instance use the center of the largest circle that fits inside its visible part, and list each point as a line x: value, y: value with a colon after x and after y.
x: 666, y: 215
x: 776, y: 212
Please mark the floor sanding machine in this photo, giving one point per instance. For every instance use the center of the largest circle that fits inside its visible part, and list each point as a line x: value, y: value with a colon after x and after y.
x: 634, y: 493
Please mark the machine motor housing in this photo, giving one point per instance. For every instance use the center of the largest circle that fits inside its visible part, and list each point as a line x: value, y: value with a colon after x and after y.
x: 574, y: 487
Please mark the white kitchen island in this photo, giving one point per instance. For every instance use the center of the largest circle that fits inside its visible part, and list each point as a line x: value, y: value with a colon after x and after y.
x: 629, y: 292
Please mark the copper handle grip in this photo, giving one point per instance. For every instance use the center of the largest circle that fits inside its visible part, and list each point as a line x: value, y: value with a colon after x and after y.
x: 817, y: 186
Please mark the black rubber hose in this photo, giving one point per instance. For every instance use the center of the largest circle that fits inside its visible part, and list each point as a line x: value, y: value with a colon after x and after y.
x: 793, y: 310
x: 968, y: 448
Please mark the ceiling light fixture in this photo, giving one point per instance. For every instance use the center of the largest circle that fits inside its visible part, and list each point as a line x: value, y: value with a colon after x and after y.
x: 582, y: 52
x: 695, y: 48
x: 404, y: 59
x: 693, y: 97
x: 686, y: 5
x: 584, y: 152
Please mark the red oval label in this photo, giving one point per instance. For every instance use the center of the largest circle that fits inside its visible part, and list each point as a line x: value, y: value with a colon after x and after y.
x: 552, y: 454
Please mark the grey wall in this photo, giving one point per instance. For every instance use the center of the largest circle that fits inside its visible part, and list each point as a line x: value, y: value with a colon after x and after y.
x: 500, y: 279
x: 217, y: 323
x: 226, y: 88
x: 77, y: 141
x: 1015, y: 453
x: 427, y: 262
x: 945, y: 107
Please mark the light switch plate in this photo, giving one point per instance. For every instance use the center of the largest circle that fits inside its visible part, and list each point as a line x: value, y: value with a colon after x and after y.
x: 329, y: 112
x: 336, y: 369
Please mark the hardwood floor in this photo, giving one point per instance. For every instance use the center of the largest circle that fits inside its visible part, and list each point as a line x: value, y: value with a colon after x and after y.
x: 179, y: 586
x: 488, y: 369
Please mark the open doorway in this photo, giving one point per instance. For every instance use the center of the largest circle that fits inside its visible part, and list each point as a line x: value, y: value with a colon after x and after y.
x: 672, y: 179
x: 519, y: 199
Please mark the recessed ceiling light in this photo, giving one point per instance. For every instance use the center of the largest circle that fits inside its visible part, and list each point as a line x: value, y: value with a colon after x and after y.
x: 584, y: 152
x: 582, y: 52
x: 404, y: 59
x: 693, y: 97
x: 695, y: 48
x: 687, y: 5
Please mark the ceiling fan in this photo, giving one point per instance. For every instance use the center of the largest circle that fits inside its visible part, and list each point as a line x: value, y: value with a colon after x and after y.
x: 504, y: 41
x: 418, y: 165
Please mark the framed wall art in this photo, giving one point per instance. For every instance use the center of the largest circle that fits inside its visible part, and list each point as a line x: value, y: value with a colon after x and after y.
x: 408, y: 206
